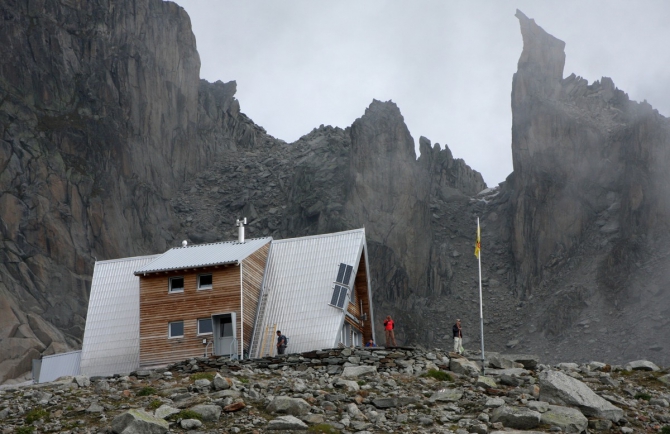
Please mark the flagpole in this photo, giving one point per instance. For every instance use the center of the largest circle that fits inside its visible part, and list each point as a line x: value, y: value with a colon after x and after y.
x: 481, y: 309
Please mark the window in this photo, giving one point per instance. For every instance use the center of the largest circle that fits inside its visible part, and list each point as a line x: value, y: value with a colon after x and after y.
x: 339, y: 296
x: 205, y: 326
x: 205, y: 281
x: 176, y: 284
x: 176, y: 329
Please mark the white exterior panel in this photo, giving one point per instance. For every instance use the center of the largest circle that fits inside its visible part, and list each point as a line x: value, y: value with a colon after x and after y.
x: 59, y: 365
x: 299, y: 280
x: 112, y: 335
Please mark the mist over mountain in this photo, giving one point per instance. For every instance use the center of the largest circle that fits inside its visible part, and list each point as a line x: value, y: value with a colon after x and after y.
x: 112, y: 146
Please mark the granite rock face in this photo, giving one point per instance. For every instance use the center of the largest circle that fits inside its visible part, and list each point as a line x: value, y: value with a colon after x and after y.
x: 111, y: 146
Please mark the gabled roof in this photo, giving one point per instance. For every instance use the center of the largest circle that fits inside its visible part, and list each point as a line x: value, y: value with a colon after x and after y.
x: 112, y: 335
x: 203, y: 255
x: 299, y: 283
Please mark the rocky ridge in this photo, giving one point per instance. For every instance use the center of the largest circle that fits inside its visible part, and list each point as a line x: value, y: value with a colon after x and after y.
x: 111, y: 146
x: 350, y: 390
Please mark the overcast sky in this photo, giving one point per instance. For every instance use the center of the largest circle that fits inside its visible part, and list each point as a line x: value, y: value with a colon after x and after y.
x: 447, y: 64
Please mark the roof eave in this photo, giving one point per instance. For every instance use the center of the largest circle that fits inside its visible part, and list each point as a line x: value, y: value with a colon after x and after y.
x: 168, y: 270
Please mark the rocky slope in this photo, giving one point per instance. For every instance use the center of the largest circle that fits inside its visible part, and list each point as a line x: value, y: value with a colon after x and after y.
x: 351, y: 390
x: 111, y: 146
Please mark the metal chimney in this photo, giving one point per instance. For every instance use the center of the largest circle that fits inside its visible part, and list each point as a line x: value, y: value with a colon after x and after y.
x: 240, y: 230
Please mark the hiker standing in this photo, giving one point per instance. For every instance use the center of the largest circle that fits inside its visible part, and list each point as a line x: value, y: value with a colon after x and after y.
x: 389, y: 325
x: 281, y: 342
x: 458, y: 337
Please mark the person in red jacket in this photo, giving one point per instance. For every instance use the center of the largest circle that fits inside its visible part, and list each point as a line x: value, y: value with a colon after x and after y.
x: 389, y: 325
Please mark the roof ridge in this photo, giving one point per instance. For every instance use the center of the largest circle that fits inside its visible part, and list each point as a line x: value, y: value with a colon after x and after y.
x: 220, y: 242
x: 331, y: 234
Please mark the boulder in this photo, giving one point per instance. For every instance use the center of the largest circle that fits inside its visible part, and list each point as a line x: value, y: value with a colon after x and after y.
x: 560, y: 389
x: 359, y: 371
x: 82, y: 380
x: 446, y: 395
x: 350, y: 385
x: 486, y: 382
x: 220, y: 383
x: 501, y: 361
x: 570, y: 420
x: 136, y: 421
x: 464, y: 366
x: 208, y: 412
x: 641, y: 365
x: 190, y: 424
x: 287, y: 423
x: 292, y: 406
x: 516, y: 417
x: 385, y: 402
x: 165, y: 411
x: 665, y: 379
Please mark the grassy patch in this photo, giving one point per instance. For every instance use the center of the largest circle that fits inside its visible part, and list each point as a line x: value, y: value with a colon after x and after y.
x: 155, y: 404
x: 36, y: 414
x: 438, y: 375
x: 643, y: 395
x: 202, y: 376
x: 361, y: 382
x: 25, y: 430
x: 244, y: 380
x: 665, y: 429
x: 146, y: 391
x: 323, y: 428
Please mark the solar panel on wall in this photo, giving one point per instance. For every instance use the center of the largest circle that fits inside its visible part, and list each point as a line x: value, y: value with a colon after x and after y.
x: 343, y: 296
x: 344, y: 274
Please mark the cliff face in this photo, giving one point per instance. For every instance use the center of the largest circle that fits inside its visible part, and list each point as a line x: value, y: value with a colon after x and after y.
x: 98, y: 121
x: 589, y: 202
x: 111, y: 146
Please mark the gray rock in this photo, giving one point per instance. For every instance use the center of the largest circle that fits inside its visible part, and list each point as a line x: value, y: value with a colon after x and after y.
x: 208, y: 413
x: 292, y: 406
x: 202, y: 383
x: 350, y: 385
x: 538, y: 406
x: 190, y: 424
x: 286, y: 423
x: 494, y: 402
x: 82, y: 380
x: 641, y: 365
x: 486, y: 382
x: 165, y: 411
x: 220, y: 383
x: 359, y: 371
x: 516, y: 417
x: 600, y: 424
x: 501, y: 361
x: 383, y: 403
x: 665, y: 379
x: 464, y: 366
x: 95, y: 408
x: 558, y: 388
x: 446, y: 395
x: 136, y: 421
x: 570, y: 420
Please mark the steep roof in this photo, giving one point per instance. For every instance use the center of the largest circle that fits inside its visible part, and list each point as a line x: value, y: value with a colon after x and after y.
x: 112, y: 335
x: 299, y: 281
x: 203, y: 255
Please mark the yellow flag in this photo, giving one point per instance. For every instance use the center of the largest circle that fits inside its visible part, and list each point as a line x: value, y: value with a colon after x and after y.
x: 478, y: 243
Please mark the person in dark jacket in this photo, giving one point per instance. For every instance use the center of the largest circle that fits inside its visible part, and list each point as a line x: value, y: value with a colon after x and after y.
x: 458, y: 337
x: 281, y: 342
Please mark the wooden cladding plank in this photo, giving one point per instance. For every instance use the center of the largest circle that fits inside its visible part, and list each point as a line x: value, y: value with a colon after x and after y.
x: 361, y: 288
x: 253, y: 269
x: 158, y: 307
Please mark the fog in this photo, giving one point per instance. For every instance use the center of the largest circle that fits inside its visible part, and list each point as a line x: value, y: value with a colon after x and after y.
x: 448, y: 65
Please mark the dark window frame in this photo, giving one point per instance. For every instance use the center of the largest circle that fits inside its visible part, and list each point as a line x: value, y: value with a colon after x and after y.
x: 183, y: 284
x: 205, y: 287
x: 170, y: 336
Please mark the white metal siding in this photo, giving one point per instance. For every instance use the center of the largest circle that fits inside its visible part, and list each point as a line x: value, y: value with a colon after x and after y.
x: 203, y: 255
x: 59, y: 365
x: 299, y: 279
x: 111, y: 337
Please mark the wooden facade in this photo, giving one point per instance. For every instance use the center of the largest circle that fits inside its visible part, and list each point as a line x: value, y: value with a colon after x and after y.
x: 253, y: 268
x: 159, y: 307
x: 360, y: 306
